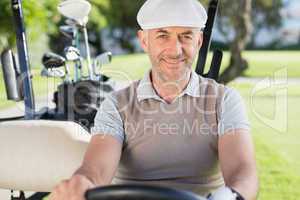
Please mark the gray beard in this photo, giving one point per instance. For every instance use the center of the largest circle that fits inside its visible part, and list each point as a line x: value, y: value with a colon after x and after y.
x: 161, y: 77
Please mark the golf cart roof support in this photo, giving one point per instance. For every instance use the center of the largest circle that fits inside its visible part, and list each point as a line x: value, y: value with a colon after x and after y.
x: 212, y: 10
x: 23, y: 59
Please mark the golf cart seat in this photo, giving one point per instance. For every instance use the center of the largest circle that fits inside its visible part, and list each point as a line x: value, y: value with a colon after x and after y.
x: 36, y: 155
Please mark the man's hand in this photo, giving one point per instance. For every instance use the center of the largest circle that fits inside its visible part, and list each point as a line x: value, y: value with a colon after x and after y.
x: 224, y: 193
x: 72, y: 189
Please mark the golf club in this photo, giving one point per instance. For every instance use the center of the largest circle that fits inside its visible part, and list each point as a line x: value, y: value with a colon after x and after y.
x: 78, y: 11
x: 51, y: 61
x: 53, y: 72
x: 73, y: 54
x: 72, y: 32
x: 100, y: 60
x: 68, y: 31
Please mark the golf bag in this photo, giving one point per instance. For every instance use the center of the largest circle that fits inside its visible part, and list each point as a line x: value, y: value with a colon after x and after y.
x: 79, y: 101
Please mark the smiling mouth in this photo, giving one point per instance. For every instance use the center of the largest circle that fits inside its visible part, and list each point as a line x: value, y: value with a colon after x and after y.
x: 173, y: 62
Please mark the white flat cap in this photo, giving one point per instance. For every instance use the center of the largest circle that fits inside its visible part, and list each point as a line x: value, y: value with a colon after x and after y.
x: 164, y: 13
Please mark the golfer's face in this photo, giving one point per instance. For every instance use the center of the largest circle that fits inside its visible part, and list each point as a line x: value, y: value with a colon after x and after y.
x: 172, y: 50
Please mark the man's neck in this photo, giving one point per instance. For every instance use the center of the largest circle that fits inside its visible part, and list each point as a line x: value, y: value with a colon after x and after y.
x: 169, y: 90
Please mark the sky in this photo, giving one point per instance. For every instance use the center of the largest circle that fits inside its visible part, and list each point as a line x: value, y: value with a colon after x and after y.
x: 291, y: 21
x: 291, y: 12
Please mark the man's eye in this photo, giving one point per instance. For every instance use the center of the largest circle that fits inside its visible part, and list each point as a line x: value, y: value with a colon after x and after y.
x: 187, y: 37
x: 162, y: 36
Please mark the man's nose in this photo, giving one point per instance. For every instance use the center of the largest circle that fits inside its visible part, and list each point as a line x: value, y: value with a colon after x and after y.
x: 175, y: 48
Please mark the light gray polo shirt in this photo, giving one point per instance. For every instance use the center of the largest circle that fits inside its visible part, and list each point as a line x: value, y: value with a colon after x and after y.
x: 233, y: 112
x: 176, y: 144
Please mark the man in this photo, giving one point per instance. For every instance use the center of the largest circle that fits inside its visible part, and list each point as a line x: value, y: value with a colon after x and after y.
x: 172, y: 128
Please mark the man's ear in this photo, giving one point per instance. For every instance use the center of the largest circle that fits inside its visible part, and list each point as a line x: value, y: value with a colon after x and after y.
x: 200, y: 40
x: 143, y: 38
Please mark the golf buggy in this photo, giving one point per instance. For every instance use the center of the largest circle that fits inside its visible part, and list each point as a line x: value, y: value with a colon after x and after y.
x: 41, y: 148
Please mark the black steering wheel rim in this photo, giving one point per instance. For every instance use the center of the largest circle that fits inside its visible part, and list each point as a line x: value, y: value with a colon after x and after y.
x: 138, y: 192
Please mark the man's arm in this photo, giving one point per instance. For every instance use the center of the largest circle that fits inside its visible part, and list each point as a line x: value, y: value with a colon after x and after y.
x: 98, y: 168
x: 101, y: 159
x: 237, y: 160
x: 235, y: 147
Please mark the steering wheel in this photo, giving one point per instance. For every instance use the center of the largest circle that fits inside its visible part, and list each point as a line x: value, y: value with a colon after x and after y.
x: 138, y: 192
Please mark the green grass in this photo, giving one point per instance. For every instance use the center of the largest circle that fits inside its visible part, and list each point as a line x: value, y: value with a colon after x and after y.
x: 277, y: 151
x: 41, y: 87
x: 265, y: 63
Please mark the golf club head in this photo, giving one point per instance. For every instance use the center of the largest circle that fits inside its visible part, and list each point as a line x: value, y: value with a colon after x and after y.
x: 72, y: 53
x: 52, y: 60
x: 55, y: 73
x: 71, y: 22
x: 103, y: 58
x: 74, y: 23
x: 68, y: 31
x: 77, y: 10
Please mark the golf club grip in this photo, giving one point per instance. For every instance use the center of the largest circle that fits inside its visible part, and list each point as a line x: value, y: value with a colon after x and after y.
x: 215, y: 65
x: 212, y: 10
x: 23, y: 59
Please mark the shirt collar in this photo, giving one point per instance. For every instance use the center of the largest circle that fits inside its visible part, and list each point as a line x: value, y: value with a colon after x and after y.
x: 145, y: 88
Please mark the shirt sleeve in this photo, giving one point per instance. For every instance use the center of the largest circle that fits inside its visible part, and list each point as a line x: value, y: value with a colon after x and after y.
x: 108, y: 120
x: 233, y: 112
